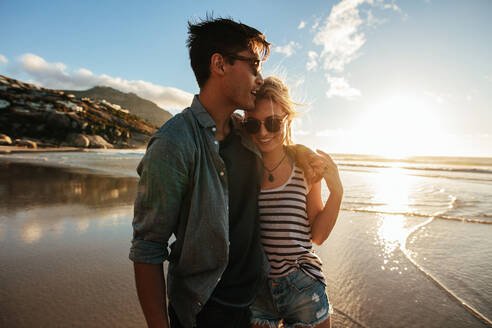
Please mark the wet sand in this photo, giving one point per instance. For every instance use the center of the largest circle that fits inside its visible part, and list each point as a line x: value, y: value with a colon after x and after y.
x: 64, y: 240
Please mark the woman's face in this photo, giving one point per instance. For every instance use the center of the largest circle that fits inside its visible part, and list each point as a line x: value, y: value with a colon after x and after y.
x: 266, y: 140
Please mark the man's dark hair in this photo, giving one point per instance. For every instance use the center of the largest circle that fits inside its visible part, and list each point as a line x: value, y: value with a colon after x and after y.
x: 224, y: 36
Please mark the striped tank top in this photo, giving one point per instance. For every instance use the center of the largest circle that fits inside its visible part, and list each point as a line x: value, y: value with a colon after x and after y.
x: 285, y: 229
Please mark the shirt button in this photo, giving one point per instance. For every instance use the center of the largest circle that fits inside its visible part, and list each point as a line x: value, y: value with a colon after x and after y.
x: 214, y: 129
x: 221, y: 173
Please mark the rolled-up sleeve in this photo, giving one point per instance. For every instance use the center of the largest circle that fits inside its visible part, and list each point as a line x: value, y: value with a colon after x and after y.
x: 163, y: 181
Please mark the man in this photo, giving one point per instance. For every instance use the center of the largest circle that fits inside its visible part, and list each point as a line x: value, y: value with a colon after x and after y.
x: 199, y: 181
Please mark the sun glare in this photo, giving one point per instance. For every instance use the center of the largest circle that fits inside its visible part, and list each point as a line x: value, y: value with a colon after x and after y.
x: 398, y: 127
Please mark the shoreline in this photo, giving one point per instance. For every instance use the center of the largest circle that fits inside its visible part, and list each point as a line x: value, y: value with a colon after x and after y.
x: 113, y: 162
x: 19, y: 149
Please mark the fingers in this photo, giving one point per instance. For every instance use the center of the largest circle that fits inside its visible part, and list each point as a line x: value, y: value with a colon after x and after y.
x: 325, y: 156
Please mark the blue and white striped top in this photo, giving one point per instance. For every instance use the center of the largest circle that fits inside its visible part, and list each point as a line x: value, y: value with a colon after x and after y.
x: 285, y: 229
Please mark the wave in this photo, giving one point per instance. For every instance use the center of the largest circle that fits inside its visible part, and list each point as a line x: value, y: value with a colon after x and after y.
x: 452, y: 204
x: 419, y: 168
x: 417, y: 214
x: 433, y: 279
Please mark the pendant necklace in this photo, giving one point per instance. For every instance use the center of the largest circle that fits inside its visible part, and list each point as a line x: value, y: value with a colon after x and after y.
x: 270, y: 175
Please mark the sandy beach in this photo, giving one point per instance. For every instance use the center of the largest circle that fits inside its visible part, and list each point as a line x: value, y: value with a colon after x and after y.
x: 65, y: 231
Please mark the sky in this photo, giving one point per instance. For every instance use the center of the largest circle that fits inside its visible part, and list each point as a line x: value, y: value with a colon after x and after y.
x: 389, y: 77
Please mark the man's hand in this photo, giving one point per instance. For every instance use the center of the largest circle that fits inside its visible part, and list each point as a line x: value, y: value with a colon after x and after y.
x: 309, y: 161
x: 151, y: 289
x: 326, y: 167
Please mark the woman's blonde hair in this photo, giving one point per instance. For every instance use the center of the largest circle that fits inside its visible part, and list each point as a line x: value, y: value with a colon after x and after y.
x: 276, y: 91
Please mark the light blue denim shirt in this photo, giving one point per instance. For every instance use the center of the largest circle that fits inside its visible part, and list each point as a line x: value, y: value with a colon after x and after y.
x: 183, y: 191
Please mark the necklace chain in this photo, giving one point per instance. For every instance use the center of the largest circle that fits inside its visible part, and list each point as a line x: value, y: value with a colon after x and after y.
x: 270, y: 175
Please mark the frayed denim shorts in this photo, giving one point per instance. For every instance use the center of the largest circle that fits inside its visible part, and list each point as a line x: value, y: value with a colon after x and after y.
x: 296, y: 299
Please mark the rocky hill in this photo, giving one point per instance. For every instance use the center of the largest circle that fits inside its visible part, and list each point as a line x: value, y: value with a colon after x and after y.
x: 146, y: 109
x: 34, y: 117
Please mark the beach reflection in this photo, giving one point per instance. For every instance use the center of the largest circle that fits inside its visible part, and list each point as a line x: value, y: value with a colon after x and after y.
x: 31, y: 233
x: 23, y: 185
x: 36, y: 200
x: 392, y: 190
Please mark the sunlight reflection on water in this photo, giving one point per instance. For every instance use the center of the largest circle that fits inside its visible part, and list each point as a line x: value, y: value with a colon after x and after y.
x: 392, y: 188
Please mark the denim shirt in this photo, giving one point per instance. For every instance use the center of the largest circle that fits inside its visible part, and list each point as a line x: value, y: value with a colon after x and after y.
x: 183, y: 191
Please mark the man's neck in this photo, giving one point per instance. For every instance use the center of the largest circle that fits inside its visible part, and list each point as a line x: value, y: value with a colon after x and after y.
x: 219, y: 110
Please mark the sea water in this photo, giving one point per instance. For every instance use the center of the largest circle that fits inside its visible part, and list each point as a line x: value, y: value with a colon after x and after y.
x: 424, y: 220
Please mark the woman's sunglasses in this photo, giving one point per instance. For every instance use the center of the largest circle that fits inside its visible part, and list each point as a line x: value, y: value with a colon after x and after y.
x: 272, y: 124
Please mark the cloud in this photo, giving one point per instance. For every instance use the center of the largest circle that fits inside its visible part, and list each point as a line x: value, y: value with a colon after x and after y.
x: 302, y: 132
x: 289, y: 49
x: 373, y: 21
x: 55, y: 76
x: 298, y: 83
x: 301, y: 25
x: 3, y: 59
x: 333, y: 133
x: 339, y: 87
x: 315, y: 24
x: 313, y: 60
x: 340, y: 36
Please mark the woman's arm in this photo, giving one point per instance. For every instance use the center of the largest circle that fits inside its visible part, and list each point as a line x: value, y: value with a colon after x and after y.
x: 323, y: 218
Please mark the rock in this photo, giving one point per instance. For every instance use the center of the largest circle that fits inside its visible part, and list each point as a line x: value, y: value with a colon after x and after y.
x: 98, y: 142
x: 78, y: 140
x: 25, y: 143
x: 5, y: 140
x: 58, y: 121
x: 138, y: 140
x: 4, y: 104
x: 40, y: 128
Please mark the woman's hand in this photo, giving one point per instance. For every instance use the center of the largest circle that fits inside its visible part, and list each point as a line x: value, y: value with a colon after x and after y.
x: 326, y: 167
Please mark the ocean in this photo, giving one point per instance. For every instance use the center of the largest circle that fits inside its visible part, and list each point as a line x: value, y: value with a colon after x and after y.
x: 412, y: 246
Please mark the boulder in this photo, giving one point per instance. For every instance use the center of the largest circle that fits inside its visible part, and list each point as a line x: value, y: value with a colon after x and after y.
x: 5, y: 140
x: 4, y: 103
x: 78, y: 140
x: 138, y: 140
x: 98, y: 142
x: 25, y: 143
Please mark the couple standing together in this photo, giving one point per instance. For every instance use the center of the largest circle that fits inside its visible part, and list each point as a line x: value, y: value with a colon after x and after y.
x: 242, y: 202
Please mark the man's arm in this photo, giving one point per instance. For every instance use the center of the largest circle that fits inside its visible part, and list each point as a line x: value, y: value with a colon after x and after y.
x: 151, y: 290
x: 163, y: 182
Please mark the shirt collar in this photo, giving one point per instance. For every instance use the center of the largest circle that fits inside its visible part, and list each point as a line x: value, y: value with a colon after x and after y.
x: 201, y: 114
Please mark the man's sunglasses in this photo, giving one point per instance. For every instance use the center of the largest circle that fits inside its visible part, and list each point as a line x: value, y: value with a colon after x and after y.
x: 255, y: 63
x: 272, y: 124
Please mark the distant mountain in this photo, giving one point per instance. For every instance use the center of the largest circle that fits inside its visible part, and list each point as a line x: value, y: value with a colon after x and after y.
x: 144, y: 108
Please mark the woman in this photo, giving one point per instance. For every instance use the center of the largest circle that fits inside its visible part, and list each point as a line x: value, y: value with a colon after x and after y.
x: 292, y: 216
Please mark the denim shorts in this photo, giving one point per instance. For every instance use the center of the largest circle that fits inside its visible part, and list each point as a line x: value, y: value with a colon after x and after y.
x: 296, y: 298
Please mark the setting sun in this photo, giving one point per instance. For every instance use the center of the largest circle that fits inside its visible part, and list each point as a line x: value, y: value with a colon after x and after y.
x: 398, y: 127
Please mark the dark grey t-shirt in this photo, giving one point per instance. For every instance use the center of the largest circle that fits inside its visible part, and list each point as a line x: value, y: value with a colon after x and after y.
x: 238, y: 284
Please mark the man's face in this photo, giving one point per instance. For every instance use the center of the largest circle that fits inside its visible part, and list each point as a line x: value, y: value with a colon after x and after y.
x: 243, y: 79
